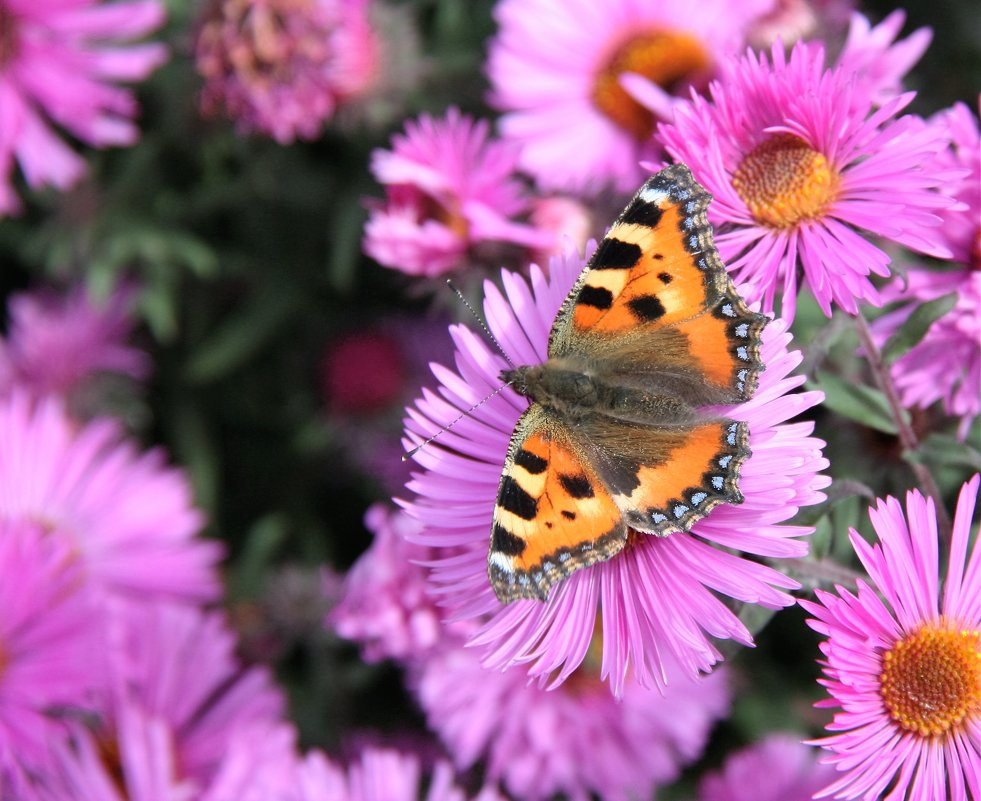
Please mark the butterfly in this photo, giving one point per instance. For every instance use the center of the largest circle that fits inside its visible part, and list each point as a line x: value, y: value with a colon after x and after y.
x: 616, y: 436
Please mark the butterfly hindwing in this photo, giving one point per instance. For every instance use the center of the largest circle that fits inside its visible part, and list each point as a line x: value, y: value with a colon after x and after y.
x: 553, y: 514
x: 665, y: 479
x: 657, y: 268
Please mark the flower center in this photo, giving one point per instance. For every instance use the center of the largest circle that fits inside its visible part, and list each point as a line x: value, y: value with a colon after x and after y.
x: 783, y: 181
x: 931, y: 680
x: 667, y: 58
x: 8, y: 35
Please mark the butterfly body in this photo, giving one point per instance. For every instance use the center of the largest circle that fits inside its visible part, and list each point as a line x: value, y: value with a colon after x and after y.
x: 618, y: 434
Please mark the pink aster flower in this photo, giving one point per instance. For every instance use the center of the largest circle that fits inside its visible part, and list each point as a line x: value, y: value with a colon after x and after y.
x: 127, y: 515
x: 142, y: 763
x: 386, y: 606
x: 946, y: 364
x: 874, y: 54
x: 49, y: 641
x: 902, y: 659
x: 657, y: 598
x: 59, y: 64
x: 180, y: 719
x: 558, y: 71
x: 572, y: 741
x: 383, y: 774
x: 449, y: 190
x: 778, y: 768
x: 791, y: 20
x: 281, y: 67
x: 802, y: 169
x: 56, y: 342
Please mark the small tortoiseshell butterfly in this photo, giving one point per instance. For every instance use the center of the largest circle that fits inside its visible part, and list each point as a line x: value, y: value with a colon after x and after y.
x: 615, y: 436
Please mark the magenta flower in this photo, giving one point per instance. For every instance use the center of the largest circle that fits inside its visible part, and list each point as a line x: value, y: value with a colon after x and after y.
x: 902, y: 659
x: 802, y: 168
x: 181, y: 717
x: 881, y: 62
x: 49, y: 643
x: 386, y: 606
x: 55, y: 343
x: 571, y: 741
x: 449, y: 189
x: 383, y: 774
x: 141, y: 763
x: 560, y: 72
x: 59, y: 64
x: 946, y: 364
x: 281, y: 67
x: 656, y: 599
x: 779, y: 768
x: 127, y: 516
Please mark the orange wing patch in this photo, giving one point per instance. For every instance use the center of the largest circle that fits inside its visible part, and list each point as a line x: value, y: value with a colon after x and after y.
x: 642, y: 274
x: 696, y: 476
x: 553, y: 515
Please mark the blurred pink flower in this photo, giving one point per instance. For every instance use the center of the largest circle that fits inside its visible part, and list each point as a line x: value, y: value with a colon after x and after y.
x: 791, y: 20
x: 574, y: 741
x: 557, y: 69
x: 126, y: 514
x: 386, y: 607
x: 450, y: 189
x: 778, y: 768
x: 181, y: 717
x: 880, y: 62
x: 281, y: 67
x: 656, y: 599
x: 946, y: 364
x: 802, y: 167
x: 142, y: 763
x: 50, y: 639
x: 383, y: 774
x: 59, y: 63
x: 56, y: 342
x: 902, y: 659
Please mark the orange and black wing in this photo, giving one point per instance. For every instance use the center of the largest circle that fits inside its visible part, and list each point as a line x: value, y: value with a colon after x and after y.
x: 656, y: 291
x: 553, y: 515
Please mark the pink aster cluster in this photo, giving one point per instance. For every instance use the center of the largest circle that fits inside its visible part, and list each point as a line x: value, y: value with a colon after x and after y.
x: 805, y: 162
x: 778, y: 768
x: 564, y: 74
x: 281, y: 67
x: 60, y: 69
x: 56, y: 343
x: 112, y: 677
x: 451, y: 198
x: 533, y: 741
x: 945, y: 365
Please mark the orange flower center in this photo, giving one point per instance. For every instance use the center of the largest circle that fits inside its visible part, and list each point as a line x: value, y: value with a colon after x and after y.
x: 931, y: 680
x: 783, y: 181
x: 667, y: 58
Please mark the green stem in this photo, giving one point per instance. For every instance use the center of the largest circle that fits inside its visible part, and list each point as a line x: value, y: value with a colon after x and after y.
x: 907, y: 437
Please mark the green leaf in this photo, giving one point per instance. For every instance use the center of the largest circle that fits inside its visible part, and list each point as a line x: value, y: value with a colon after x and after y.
x: 262, y: 543
x: 241, y: 335
x: 857, y: 402
x: 914, y: 329
x: 944, y: 450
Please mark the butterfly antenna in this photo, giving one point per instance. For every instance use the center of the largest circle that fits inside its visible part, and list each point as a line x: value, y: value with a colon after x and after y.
x: 409, y: 454
x: 483, y: 325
